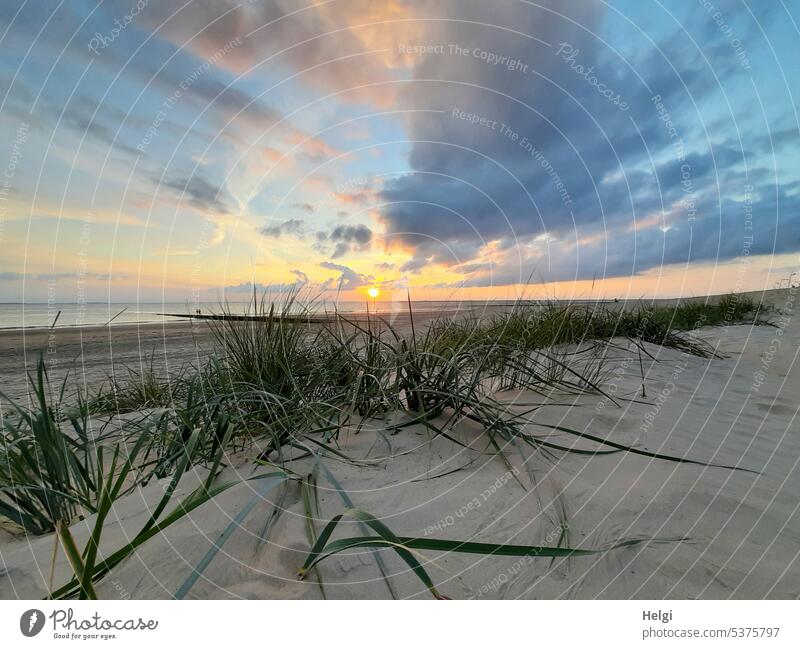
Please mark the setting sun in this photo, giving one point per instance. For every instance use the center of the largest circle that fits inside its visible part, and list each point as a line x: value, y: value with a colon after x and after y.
x: 373, y: 292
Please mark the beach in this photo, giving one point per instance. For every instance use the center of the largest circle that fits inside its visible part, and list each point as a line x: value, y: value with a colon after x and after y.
x: 695, y: 530
x: 90, y: 355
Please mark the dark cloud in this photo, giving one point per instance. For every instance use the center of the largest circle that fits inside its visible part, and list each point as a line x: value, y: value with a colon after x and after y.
x: 346, y: 238
x: 572, y: 186
x: 358, y: 234
x: 278, y: 287
x: 292, y: 227
x: 347, y: 279
x: 514, y: 155
x: 308, y: 208
x: 87, y: 118
x: 199, y: 192
x: 340, y: 250
x: 743, y: 228
x: 414, y: 265
x: 301, y: 276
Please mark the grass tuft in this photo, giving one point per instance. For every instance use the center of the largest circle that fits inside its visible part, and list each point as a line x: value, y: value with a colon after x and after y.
x: 284, y: 381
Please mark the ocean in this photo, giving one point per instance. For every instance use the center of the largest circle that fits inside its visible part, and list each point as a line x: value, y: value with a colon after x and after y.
x: 42, y: 315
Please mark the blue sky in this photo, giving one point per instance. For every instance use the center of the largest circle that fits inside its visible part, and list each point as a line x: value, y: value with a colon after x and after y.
x: 170, y: 150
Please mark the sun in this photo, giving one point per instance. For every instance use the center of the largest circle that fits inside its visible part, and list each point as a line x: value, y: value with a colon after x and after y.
x: 373, y: 292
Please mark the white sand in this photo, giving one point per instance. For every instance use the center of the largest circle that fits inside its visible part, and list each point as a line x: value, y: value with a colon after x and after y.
x: 742, y: 529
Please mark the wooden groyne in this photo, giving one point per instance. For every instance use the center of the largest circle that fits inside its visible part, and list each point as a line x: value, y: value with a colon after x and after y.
x: 230, y: 317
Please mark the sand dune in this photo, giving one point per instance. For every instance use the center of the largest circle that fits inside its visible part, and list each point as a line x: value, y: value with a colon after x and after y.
x: 715, y: 532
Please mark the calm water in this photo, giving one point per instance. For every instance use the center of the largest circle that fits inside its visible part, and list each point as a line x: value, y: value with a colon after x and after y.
x: 15, y: 316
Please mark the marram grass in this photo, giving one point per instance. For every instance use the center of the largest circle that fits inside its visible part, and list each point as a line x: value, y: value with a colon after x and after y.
x: 278, y: 383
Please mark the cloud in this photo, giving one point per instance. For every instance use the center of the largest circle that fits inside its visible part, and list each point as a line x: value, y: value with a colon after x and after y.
x: 513, y: 153
x: 414, y: 265
x: 359, y: 198
x: 8, y: 276
x: 312, y: 149
x: 308, y: 208
x: 358, y: 234
x: 301, y: 276
x: 512, y: 146
x: 277, y: 287
x: 340, y: 250
x: 352, y: 44
x: 347, y: 278
x: 200, y: 193
x: 347, y: 238
x: 290, y: 227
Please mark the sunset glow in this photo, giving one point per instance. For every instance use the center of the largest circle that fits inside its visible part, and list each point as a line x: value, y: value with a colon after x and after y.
x: 314, y: 151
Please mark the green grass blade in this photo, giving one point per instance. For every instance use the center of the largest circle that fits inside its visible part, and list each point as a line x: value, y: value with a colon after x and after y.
x: 349, y: 503
x: 308, y: 488
x: 197, y: 498
x: 631, y: 449
x: 264, y: 489
x: 75, y: 560
x: 388, y: 539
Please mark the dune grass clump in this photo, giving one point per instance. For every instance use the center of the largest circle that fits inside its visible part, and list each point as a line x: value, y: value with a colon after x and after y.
x: 270, y: 351
x: 280, y: 382
x: 48, y: 474
x: 552, y: 324
x: 140, y: 390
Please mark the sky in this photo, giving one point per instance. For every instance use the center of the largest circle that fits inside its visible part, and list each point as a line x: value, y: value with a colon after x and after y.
x: 457, y: 149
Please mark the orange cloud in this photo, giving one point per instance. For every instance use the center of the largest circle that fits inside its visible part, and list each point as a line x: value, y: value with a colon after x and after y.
x: 334, y: 45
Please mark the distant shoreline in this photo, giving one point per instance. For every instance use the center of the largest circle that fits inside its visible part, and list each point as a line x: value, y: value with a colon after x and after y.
x: 769, y: 297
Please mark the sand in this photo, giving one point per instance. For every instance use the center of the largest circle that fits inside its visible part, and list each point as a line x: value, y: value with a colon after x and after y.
x: 718, y: 533
x: 90, y: 355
